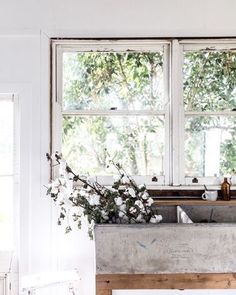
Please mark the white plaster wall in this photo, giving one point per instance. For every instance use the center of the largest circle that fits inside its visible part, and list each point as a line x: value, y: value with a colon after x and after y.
x: 98, y: 18
x: 23, y: 73
x: 25, y: 26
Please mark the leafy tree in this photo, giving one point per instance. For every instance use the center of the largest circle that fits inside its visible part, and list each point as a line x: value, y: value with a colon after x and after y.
x: 134, y: 81
x: 210, y: 85
x: 102, y: 81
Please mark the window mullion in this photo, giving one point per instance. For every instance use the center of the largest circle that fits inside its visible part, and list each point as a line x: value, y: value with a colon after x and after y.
x: 177, y: 114
x: 112, y: 113
x: 167, y: 154
x: 210, y: 113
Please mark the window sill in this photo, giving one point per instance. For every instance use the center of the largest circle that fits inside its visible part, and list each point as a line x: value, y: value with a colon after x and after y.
x: 186, y: 187
x: 184, y: 192
x: 194, y: 202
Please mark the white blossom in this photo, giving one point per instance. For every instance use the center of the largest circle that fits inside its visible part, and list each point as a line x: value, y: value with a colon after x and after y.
x: 123, y: 207
x: 54, y: 190
x: 121, y: 214
x: 69, y: 186
x: 132, y: 210
x: 116, y: 178
x: 62, y: 181
x: 150, y: 201
x: 156, y: 219
x: 75, y: 194
x: 55, y: 183
x: 125, y: 180
x: 131, y: 192
x: 62, y: 168
x: 139, y: 204
x: 104, y: 215
x: 145, y: 196
x: 94, y: 200
x: 60, y: 197
x: 141, y: 186
x: 139, y: 218
x: 118, y: 201
x: 83, y: 193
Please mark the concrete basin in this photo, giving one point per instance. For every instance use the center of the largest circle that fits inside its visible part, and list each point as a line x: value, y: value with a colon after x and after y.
x: 166, y: 248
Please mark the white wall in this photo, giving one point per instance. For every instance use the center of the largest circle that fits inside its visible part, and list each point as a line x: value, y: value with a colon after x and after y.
x: 120, y: 18
x: 23, y: 73
x: 24, y: 68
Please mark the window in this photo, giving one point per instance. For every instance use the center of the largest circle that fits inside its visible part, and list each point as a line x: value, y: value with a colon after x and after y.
x: 6, y: 170
x: 209, y: 99
x: 158, y: 107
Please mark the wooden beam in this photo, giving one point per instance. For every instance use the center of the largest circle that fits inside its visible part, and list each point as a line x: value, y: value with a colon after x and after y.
x: 109, y: 282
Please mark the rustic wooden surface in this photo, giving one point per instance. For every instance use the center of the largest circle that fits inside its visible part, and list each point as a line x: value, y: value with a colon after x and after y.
x: 104, y: 292
x: 192, y: 202
x: 106, y: 283
x: 184, y: 193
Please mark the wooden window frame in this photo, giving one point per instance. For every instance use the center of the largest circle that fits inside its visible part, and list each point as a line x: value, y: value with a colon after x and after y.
x: 58, y: 47
x: 174, y: 112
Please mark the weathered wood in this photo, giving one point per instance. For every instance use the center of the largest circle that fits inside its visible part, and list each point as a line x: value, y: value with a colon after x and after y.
x: 184, y: 192
x: 192, y: 202
x: 111, y: 282
x: 104, y: 292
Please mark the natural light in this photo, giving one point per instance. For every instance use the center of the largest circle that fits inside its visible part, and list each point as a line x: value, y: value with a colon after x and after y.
x: 6, y: 171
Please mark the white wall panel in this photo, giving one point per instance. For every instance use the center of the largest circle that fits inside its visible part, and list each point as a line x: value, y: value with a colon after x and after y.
x: 92, y: 18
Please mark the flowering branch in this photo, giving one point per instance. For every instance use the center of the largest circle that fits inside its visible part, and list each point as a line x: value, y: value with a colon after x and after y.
x: 123, y: 202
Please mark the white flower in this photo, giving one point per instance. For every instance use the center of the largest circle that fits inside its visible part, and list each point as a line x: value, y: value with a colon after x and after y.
x: 145, y: 196
x: 123, y: 207
x: 54, y: 190
x: 62, y: 181
x: 156, y: 219
x: 125, y: 180
x: 132, y: 210
x: 118, y: 201
x: 139, y: 204
x: 56, y: 183
x: 116, y: 178
x: 104, y: 215
x: 94, y: 200
x: 131, y: 192
x: 121, y: 214
x: 83, y: 193
x: 62, y: 167
x: 75, y: 194
x: 141, y: 186
x: 60, y: 197
x: 150, y: 202
x: 139, y: 218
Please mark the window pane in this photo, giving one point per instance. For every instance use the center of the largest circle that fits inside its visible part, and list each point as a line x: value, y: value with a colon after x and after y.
x: 6, y: 138
x: 209, y: 80
x: 210, y: 145
x: 135, y: 142
x: 105, y: 80
x: 6, y: 210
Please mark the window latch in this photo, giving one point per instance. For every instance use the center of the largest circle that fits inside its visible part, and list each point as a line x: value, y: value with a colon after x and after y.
x: 154, y: 179
x: 195, y: 180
